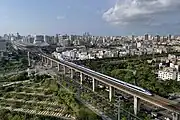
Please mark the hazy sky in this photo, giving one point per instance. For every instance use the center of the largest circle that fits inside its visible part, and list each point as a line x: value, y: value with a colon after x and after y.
x: 99, y: 17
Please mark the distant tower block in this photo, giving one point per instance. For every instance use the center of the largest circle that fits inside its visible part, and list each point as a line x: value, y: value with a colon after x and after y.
x: 146, y: 37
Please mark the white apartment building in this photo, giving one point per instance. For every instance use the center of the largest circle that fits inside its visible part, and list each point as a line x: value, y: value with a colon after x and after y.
x: 170, y: 56
x: 138, y: 44
x: 178, y: 77
x: 38, y: 39
x: 82, y: 56
x: 167, y: 74
x: 57, y: 55
x: 69, y: 54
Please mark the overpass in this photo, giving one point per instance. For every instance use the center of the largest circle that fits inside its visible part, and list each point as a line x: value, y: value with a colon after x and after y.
x: 152, y: 99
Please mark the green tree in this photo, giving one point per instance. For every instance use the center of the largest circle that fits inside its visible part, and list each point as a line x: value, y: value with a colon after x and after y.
x: 86, y: 114
x: 24, y: 61
x: 129, y: 77
x: 124, y: 118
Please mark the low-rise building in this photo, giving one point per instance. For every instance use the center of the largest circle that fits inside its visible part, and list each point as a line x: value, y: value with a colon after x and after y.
x: 72, y: 54
x: 178, y: 77
x: 167, y: 74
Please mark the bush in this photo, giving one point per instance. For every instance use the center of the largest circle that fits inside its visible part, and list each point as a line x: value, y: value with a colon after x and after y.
x: 8, y: 95
x: 86, y: 114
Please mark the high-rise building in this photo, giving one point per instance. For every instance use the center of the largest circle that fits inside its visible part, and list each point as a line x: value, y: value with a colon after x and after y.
x: 157, y: 37
x: 18, y: 36
x: 133, y: 37
x: 169, y: 37
x: 57, y: 38
x: 146, y: 37
x: 38, y: 39
x: 64, y: 40
x: 165, y: 38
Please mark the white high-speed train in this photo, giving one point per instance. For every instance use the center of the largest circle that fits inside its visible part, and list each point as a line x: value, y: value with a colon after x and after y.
x: 133, y: 87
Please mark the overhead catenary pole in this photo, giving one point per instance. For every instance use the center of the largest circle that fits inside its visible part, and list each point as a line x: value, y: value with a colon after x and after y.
x: 29, y: 63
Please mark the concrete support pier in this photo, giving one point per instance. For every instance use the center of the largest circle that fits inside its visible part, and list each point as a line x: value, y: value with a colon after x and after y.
x: 111, y: 93
x: 42, y: 59
x: 64, y: 67
x: 45, y: 60
x: 81, y: 78
x: 176, y: 116
x: 51, y: 63
x: 72, y: 73
x: 94, y: 83
x: 136, y: 105
x: 58, y: 66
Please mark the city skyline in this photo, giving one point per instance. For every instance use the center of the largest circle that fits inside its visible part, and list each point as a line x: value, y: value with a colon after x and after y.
x: 109, y: 17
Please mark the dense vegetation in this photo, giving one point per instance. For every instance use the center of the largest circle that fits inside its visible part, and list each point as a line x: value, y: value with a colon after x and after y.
x: 8, y: 115
x: 144, y: 77
x: 42, y: 89
x: 100, y: 100
x: 75, y: 107
x: 14, y: 63
x: 12, y: 78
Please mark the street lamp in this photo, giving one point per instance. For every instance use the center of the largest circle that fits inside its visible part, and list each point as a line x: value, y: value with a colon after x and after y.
x: 79, y: 91
x: 119, y: 109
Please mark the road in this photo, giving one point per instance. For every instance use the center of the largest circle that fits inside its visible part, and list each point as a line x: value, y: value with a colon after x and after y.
x: 13, y: 83
x: 11, y: 73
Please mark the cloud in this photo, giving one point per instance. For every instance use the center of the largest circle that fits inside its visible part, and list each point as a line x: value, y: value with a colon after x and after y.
x: 141, y: 11
x: 60, y: 17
